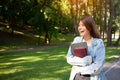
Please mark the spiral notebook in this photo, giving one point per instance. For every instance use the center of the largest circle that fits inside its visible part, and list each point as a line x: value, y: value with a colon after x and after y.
x: 79, y: 49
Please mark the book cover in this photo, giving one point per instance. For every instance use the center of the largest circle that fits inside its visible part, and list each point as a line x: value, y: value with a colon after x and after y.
x: 80, y: 52
x: 79, y: 49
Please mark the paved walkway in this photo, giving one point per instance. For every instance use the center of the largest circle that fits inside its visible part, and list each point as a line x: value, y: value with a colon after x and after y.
x: 112, y: 70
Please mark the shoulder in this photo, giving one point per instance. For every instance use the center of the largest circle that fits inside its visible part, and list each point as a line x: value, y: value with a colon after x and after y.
x: 77, y: 39
x: 97, y: 41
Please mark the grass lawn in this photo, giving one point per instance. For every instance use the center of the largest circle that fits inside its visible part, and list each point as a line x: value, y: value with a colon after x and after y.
x: 47, y: 64
x: 112, y: 53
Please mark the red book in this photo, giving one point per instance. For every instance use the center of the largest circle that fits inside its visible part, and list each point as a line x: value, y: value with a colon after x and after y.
x: 79, y: 49
x: 80, y: 52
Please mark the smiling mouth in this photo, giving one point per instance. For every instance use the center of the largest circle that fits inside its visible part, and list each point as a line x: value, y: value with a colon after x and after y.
x: 81, y: 31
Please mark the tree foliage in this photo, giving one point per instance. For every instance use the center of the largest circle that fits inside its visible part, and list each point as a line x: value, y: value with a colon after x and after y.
x: 49, y: 17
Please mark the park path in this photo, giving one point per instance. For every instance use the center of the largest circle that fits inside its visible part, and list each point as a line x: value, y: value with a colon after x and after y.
x: 112, y: 70
x: 42, y: 47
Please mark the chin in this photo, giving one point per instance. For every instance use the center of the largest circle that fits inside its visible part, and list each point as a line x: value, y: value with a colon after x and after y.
x: 81, y: 35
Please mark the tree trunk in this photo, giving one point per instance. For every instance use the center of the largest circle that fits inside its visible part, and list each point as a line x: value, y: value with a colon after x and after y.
x: 109, y: 32
x: 118, y: 40
x: 60, y: 17
x: 100, y: 17
x: 47, y: 38
x: 12, y: 28
x: 105, y: 20
x: 72, y: 14
x: 38, y: 40
x: 76, y: 18
x: 94, y: 9
x: 75, y: 26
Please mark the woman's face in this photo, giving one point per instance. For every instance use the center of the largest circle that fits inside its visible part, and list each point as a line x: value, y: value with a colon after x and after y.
x: 83, y: 30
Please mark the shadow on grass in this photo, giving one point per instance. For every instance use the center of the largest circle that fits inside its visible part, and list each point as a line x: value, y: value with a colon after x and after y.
x: 112, y: 53
x: 47, y: 64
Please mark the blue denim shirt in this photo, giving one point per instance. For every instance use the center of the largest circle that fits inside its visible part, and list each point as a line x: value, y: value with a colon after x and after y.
x: 97, y: 51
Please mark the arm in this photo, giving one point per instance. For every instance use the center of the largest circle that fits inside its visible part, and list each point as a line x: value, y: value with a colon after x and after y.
x: 98, y: 61
x: 73, y: 60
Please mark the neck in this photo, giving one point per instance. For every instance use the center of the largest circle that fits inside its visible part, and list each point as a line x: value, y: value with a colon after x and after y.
x: 87, y: 38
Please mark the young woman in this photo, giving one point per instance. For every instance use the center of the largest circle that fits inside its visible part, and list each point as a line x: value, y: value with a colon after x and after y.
x: 89, y: 67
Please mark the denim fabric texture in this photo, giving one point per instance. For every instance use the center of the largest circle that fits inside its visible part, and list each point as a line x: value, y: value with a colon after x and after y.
x: 92, y: 64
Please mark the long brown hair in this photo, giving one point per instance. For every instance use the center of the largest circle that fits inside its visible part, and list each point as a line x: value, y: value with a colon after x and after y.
x: 90, y: 25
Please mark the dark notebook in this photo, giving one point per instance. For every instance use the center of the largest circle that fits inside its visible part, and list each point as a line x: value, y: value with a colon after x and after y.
x: 79, y: 49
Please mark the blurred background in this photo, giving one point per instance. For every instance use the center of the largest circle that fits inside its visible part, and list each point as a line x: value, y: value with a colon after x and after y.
x: 25, y: 23
x: 35, y: 36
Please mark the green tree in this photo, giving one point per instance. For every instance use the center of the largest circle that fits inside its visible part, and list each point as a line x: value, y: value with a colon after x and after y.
x: 15, y: 13
x: 43, y: 20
